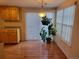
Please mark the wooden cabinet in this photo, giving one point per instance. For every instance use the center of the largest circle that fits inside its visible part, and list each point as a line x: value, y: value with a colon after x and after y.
x: 1, y: 51
x: 9, y: 13
x: 10, y: 35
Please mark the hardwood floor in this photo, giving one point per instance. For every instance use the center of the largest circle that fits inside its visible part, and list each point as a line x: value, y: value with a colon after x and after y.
x: 33, y: 50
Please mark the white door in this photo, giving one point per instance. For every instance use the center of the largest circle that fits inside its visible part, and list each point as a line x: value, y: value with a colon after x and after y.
x: 33, y: 24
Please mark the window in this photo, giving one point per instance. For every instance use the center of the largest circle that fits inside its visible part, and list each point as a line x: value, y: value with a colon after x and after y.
x: 59, y: 22
x: 64, y: 23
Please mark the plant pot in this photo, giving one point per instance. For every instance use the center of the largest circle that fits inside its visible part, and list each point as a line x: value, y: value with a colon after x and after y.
x: 48, y: 40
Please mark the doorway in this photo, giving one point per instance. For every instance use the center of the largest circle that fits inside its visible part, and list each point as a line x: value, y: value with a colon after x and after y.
x: 33, y: 26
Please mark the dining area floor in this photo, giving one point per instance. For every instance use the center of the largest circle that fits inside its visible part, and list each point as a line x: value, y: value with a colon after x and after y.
x: 33, y: 50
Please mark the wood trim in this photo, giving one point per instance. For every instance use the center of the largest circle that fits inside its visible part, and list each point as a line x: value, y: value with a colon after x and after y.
x: 11, y: 27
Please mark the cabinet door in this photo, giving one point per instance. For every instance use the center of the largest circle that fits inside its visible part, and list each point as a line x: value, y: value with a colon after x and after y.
x: 1, y: 51
x: 9, y: 36
x: 14, y: 14
x: 1, y: 13
x: 12, y: 35
x: 4, y: 13
x: 9, y: 13
x: 3, y: 36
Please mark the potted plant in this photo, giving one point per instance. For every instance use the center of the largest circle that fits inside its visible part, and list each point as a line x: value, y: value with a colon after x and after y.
x: 45, y: 21
x: 52, y: 32
x: 47, y: 32
x: 43, y: 34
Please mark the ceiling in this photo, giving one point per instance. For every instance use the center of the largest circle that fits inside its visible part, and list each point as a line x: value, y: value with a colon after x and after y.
x: 31, y: 3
